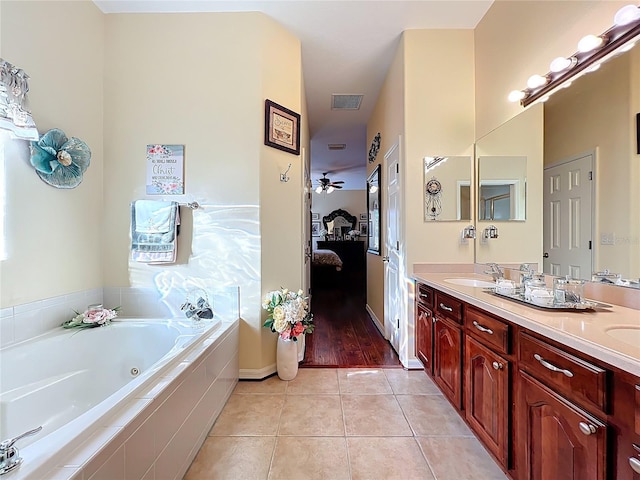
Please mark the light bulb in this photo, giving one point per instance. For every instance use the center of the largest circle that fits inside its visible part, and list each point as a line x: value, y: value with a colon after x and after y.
x: 516, y: 95
x: 627, y: 15
x: 319, y: 189
x: 590, y: 42
x: 330, y: 189
x: 561, y: 64
x: 536, y: 81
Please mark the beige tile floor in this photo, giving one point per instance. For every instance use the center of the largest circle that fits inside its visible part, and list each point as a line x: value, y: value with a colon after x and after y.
x: 341, y: 424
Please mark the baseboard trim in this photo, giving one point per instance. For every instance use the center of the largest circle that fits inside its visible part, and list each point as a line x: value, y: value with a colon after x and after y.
x: 376, y: 322
x: 413, y: 364
x: 257, y: 374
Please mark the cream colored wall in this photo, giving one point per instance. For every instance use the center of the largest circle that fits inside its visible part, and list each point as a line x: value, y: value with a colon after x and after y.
x: 517, y: 242
x: 388, y: 120
x: 54, y: 236
x: 281, y: 218
x: 439, y: 120
x: 353, y: 201
x: 572, y: 129
x: 516, y: 39
x: 185, y: 83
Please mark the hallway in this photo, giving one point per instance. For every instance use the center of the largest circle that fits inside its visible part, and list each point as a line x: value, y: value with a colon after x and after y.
x: 345, y: 335
x: 341, y: 424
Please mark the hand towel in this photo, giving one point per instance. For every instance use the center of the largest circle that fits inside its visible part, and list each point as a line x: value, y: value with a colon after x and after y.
x: 154, y: 227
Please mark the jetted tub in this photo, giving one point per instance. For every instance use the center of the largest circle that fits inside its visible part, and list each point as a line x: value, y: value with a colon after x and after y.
x: 73, y: 382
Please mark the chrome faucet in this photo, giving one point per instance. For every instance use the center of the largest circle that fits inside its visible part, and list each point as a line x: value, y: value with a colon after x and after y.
x: 526, y: 272
x: 197, y: 309
x: 9, y: 457
x: 495, y: 271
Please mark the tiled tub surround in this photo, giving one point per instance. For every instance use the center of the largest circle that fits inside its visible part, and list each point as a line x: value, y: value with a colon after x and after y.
x: 585, y: 331
x: 156, y: 429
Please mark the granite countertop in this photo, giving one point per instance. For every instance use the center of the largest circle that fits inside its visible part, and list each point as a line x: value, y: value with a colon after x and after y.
x: 584, y: 330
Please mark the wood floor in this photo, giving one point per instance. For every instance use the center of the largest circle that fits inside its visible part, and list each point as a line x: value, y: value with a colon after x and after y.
x: 344, y: 335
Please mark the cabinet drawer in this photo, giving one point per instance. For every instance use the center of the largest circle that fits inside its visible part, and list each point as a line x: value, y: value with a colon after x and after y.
x: 576, y: 379
x: 424, y: 295
x: 448, y: 307
x: 488, y: 329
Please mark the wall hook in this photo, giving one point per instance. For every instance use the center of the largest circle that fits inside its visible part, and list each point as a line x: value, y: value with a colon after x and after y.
x: 283, y: 176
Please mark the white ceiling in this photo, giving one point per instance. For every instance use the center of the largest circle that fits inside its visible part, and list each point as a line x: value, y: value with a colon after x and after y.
x: 347, y: 48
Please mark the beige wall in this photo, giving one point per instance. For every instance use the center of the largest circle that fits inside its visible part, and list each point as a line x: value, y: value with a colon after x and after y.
x: 439, y: 102
x: 388, y: 120
x: 54, y: 236
x: 186, y: 85
x: 516, y: 39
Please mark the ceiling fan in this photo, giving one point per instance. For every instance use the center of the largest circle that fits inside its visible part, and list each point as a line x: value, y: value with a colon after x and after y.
x: 326, y: 185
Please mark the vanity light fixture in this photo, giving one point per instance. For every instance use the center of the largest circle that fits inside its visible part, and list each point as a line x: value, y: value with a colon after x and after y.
x: 491, y: 232
x: 626, y: 15
x: 592, y: 50
x: 433, y: 162
x: 536, y: 81
x: 591, y: 42
x: 560, y: 64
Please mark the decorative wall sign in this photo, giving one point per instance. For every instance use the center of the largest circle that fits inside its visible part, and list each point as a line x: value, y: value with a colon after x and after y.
x: 281, y: 128
x: 165, y: 169
x: 375, y: 147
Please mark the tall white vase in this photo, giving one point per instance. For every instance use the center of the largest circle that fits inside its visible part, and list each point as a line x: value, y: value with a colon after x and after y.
x: 287, y: 359
x: 301, y: 346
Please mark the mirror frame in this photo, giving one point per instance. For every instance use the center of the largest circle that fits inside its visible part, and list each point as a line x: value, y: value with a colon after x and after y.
x: 374, y: 211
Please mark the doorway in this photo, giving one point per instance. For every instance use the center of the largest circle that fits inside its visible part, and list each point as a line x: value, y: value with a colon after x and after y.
x: 568, y: 218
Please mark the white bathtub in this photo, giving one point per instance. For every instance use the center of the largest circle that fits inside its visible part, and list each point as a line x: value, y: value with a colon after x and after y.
x: 81, y: 384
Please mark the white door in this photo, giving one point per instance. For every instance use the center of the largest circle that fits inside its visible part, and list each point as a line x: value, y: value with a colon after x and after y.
x: 306, y: 221
x: 392, y: 295
x: 567, y: 218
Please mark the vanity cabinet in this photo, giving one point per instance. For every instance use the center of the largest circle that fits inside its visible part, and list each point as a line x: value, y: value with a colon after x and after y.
x: 543, y: 410
x: 424, y: 326
x: 558, y: 438
x: 447, y: 347
x: 487, y: 383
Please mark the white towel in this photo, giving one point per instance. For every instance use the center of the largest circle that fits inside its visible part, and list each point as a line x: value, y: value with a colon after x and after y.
x: 154, y: 230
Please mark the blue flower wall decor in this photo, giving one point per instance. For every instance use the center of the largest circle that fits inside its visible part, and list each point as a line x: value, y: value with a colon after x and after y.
x: 60, y: 161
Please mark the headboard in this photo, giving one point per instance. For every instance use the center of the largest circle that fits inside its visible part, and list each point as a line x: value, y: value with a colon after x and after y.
x: 334, y: 217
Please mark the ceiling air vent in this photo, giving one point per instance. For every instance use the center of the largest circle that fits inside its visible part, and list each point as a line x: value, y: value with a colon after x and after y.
x: 345, y: 102
x: 337, y: 146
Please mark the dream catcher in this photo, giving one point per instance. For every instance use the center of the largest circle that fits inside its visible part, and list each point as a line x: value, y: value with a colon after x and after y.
x: 433, y: 201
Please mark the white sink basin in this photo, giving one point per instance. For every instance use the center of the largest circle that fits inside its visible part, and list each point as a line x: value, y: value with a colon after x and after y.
x: 628, y: 334
x: 470, y: 282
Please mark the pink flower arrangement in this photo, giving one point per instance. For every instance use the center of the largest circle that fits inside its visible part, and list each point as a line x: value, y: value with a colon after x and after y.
x: 93, y: 316
x: 289, y: 314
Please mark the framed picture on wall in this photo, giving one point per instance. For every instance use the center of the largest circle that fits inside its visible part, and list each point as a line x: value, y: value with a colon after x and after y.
x: 315, y: 229
x: 281, y: 128
x: 364, y: 229
x: 363, y: 217
x: 315, y: 216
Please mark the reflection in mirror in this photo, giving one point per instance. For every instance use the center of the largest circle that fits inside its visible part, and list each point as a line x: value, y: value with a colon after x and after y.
x: 447, y: 188
x: 591, y: 127
x: 373, y: 209
x: 502, y: 187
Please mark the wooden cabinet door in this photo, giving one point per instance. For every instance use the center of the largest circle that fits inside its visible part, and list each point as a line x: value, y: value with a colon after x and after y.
x: 424, y: 321
x: 558, y: 439
x: 487, y: 397
x: 447, y: 359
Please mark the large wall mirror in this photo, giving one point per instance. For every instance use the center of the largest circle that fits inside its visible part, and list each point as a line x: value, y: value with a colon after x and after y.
x: 447, y: 188
x: 502, y: 188
x: 589, y: 145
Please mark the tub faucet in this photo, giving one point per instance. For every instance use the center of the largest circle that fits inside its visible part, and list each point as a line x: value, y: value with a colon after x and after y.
x: 9, y: 458
x: 198, y: 309
x: 495, y: 271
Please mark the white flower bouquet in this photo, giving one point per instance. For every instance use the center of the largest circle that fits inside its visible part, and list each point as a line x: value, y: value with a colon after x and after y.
x: 289, y: 314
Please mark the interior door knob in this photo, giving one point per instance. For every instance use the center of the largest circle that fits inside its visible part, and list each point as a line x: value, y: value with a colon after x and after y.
x: 545, y: 255
x: 385, y: 259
